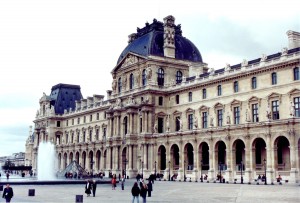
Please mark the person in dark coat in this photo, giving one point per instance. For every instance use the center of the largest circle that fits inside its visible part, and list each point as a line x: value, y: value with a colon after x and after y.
x: 8, y: 193
x: 135, y: 191
x: 88, y: 187
x: 149, y: 188
x: 94, y: 186
x: 144, y: 189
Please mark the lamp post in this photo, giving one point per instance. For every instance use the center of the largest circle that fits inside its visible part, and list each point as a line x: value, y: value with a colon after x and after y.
x: 169, y: 170
x: 265, y: 163
x: 155, y: 169
x: 242, y: 181
x: 125, y: 161
x: 220, y: 175
x: 184, y: 171
x: 201, y: 171
x: 142, y: 169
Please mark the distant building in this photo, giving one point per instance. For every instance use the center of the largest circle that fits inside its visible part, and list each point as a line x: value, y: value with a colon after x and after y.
x: 16, y: 159
x: 169, y: 112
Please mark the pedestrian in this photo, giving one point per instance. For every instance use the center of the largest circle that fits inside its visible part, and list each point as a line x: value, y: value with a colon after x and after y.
x: 149, y: 188
x: 122, y: 182
x: 119, y: 177
x: 114, y: 182
x: 7, y: 175
x: 144, y: 189
x: 94, y: 187
x: 135, y: 191
x: 8, y: 193
x: 88, y: 188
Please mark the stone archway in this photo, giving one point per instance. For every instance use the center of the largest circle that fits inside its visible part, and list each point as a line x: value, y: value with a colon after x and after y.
x: 77, y: 157
x: 259, y: 154
x: 83, y: 164
x: 90, y: 163
x: 70, y: 157
x: 124, y: 162
x: 65, y: 162
x: 282, y: 154
x: 220, y: 156
x: 105, y: 159
x: 174, y: 157
x: 189, y: 156
x: 161, y: 158
x: 238, y: 154
x: 204, y: 156
x: 98, y: 160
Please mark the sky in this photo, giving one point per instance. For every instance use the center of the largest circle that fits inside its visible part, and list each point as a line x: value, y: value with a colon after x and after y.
x: 46, y: 42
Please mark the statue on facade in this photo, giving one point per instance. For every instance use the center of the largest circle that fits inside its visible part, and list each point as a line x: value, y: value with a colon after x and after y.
x: 149, y: 73
x: 228, y: 122
x: 168, y: 123
x: 284, y: 51
x: 268, y: 113
x: 245, y: 62
x: 211, y: 121
x: 37, y: 113
x: 155, y: 127
x: 227, y: 67
x: 180, y: 124
x: 114, y: 85
x: 118, y: 102
x: 57, y: 141
x: 125, y: 82
x: 196, y: 123
x: 138, y: 78
x: 247, y: 116
x: 292, y: 109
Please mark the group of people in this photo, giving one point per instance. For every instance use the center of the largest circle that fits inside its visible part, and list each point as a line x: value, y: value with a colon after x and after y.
x: 90, y: 187
x: 262, y: 178
x: 141, y: 189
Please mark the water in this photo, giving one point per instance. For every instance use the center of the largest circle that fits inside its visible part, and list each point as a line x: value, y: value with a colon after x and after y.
x: 46, y: 161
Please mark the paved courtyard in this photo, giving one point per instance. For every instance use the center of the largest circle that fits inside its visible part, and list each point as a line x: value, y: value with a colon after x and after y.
x: 164, y: 191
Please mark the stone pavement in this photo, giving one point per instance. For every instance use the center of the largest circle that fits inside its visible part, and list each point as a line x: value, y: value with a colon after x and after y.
x: 163, y: 191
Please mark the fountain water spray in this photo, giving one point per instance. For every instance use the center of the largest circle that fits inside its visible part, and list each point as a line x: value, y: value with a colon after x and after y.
x: 46, y: 161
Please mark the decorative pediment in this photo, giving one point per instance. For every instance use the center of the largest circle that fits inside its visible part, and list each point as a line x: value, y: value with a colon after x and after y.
x: 294, y: 92
x: 97, y: 126
x: 177, y: 113
x: 203, y: 108
x: 235, y: 103
x: 83, y: 129
x: 189, y: 111
x: 128, y: 60
x: 254, y: 99
x: 274, y: 96
x: 90, y: 128
x: 160, y: 114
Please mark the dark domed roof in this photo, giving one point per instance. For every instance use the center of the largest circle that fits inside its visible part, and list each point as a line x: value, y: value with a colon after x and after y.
x: 149, y: 41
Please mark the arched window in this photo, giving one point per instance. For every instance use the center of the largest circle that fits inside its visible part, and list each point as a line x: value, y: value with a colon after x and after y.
x: 144, y: 79
x: 274, y: 78
x: 296, y: 73
x: 119, y: 85
x: 178, y: 77
x: 131, y: 81
x: 160, y: 77
x: 253, y: 83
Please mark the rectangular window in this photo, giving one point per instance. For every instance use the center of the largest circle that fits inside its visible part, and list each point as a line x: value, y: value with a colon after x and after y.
x: 204, y: 94
x: 177, y: 124
x: 104, y: 115
x: 78, y: 120
x: 177, y: 99
x: 72, y: 138
x: 58, y: 124
x: 275, y: 110
x: 104, y: 132
x: 204, y: 119
x: 274, y: 78
x: 255, y: 117
x: 90, y: 136
x: 236, y: 111
x: 84, y: 119
x: 67, y: 138
x: 97, y: 134
x: 253, y: 83
x: 160, y: 101
x: 67, y: 122
x: 91, y: 118
x: 296, y: 73
x: 160, y: 125
x: 219, y: 90
x: 97, y: 116
x: 220, y: 117
x: 297, y: 106
x: 78, y: 136
x: 190, y: 96
x: 141, y: 125
x: 83, y: 136
x: 190, y: 120
x: 73, y: 121
x: 236, y: 86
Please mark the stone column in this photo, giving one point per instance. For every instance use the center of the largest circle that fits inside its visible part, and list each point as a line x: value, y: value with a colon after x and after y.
x: 270, y: 163
x: 248, y: 172
x: 211, y: 171
x: 229, y: 171
x: 196, y: 162
x: 293, y: 160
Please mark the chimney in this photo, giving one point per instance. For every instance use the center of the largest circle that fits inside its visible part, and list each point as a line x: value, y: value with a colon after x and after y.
x: 169, y: 36
x: 294, y: 39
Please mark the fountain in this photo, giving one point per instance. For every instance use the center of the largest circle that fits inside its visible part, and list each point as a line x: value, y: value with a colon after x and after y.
x: 46, y: 161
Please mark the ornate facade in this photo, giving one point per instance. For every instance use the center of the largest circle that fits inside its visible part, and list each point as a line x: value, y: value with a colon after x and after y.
x: 169, y: 113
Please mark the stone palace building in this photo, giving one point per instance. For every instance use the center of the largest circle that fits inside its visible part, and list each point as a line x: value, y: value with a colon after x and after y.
x: 168, y: 112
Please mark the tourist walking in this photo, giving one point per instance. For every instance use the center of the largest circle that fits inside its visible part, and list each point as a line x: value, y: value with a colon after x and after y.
x: 144, y: 189
x: 88, y: 188
x: 149, y: 185
x: 122, y: 182
x: 135, y: 191
x: 8, y: 193
x: 94, y: 186
x: 114, y: 182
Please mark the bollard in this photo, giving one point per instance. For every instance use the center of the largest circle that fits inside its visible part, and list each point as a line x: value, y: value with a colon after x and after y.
x: 31, y: 192
x: 79, y: 199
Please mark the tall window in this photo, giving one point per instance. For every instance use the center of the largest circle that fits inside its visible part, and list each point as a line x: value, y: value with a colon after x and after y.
x: 141, y: 125
x: 255, y: 117
x: 190, y: 96
x: 190, y: 120
x: 91, y: 118
x: 90, y: 136
x: 160, y: 77
x: 236, y: 86
x: 97, y: 134
x: 131, y: 81
x: 297, y: 106
x: 219, y: 90
x: 177, y: 123
x: 119, y: 85
x: 296, y: 73
x: 220, y: 117
x: 160, y: 101
x: 67, y: 138
x: 253, y: 83
x: 78, y: 136
x: 236, y: 111
x: 204, y: 119
x: 104, y: 132
x: 160, y: 125
x: 83, y: 136
x: 125, y: 125
x: 67, y: 122
x: 84, y: 119
x: 97, y: 116
x: 177, y: 99
x: 274, y: 78
x: 78, y: 120
x: 275, y: 110
x: 73, y: 121
x: 72, y: 138
x: 203, y: 93
x: 144, y: 78
x: 178, y: 77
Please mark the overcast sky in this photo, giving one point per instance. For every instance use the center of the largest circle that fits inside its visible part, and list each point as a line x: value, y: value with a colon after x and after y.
x: 43, y: 43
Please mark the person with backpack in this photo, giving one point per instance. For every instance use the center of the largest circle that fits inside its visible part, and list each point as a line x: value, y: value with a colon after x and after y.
x: 135, y: 191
